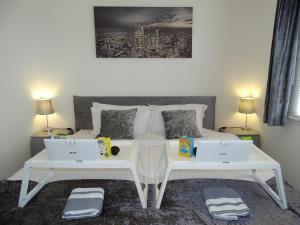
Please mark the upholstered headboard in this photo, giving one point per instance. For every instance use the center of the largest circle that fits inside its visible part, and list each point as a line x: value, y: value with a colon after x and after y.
x: 83, y: 104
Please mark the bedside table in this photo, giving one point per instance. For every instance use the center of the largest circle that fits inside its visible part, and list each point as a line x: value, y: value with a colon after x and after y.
x: 240, y: 133
x: 37, y: 139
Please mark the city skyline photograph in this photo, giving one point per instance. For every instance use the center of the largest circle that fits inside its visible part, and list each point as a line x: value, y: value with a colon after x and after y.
x: 143, y: 32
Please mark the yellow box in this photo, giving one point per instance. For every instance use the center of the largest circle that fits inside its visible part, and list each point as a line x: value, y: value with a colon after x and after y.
x: 186, y: 146
x: 104, y: 147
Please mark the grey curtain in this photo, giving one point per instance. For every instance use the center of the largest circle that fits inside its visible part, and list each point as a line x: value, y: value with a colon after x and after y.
x: 282, y: 67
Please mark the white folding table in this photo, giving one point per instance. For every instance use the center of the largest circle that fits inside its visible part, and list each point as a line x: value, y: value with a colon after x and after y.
x: 127, y: 158
x: 258, y: 160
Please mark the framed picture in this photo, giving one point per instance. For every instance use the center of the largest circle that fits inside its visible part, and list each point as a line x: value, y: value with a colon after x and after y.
x: 143, y: 32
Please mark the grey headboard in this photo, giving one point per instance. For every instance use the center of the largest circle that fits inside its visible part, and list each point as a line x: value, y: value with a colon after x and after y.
x: 83, y: 104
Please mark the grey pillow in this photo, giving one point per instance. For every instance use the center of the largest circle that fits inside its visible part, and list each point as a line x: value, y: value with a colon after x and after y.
x: 117, y: 124
x: 180, y: 123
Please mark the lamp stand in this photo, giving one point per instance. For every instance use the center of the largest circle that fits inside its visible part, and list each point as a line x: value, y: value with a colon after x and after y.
x: 47, y: 128
x: 245, y: 128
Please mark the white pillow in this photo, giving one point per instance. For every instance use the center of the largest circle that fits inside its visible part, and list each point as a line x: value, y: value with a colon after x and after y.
x: 141, y: 121
x: 157, y: 126
x: 96, y: 120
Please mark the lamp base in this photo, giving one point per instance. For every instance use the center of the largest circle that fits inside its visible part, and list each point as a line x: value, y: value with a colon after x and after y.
x: 246, y: 129
x: 47, y: 129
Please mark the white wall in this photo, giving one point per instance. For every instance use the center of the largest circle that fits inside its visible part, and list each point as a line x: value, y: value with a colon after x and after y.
x: 231, y: 46
x: 17, y: 68
x: 283, y: 143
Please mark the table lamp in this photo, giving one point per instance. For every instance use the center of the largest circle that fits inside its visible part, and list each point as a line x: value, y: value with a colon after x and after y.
x: 247, y: 106
x: 44, y: 107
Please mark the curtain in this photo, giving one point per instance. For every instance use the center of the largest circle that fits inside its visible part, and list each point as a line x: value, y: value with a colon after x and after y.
x: 283, y: 59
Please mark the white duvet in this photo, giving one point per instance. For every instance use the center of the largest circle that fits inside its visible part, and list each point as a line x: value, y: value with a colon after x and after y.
x: 151, y: 147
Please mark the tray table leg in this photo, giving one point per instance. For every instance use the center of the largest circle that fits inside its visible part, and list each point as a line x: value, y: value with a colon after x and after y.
x: 163, y: 188
x: 139, y: 188
x: 157, y: 174
x: 146, y: 169
x: 26, y: 197
x: 161, y: 162
x: 279, y: 198
x: 24, y: 187
x: 280, y: 187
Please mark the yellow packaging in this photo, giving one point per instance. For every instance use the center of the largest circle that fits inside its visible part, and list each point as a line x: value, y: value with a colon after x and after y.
x: 186, y: 146
x: 104, y: 147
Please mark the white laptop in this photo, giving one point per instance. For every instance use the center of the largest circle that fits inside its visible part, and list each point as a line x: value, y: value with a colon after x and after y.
x: 72, y: 149
x: 226, y: 151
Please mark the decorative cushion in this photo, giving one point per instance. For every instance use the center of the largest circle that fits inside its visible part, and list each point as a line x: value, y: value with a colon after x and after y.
x: 141, y: 120
x: 156, y: 125
x: 117, y: 124
x: 180, y: 123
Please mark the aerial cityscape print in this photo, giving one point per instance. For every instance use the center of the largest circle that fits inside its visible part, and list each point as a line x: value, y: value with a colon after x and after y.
x: 143, y: 32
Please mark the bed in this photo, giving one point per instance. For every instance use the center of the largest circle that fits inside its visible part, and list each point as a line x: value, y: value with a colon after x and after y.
x: 183, y: 201
x: 150, y: 145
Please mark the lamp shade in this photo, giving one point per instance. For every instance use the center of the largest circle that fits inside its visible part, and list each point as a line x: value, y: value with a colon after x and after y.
x: 44, y: 107
x: 247, y: 105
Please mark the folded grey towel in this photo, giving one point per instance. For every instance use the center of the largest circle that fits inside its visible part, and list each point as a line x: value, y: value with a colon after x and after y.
x: 83, y: 203
x: 224, y: 203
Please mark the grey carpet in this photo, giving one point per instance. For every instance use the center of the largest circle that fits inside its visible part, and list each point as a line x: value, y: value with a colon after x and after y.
x: 182, y: 204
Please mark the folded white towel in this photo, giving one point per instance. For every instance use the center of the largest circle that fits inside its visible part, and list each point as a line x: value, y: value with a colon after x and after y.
x: 83, y: 203
x: 224, y: 204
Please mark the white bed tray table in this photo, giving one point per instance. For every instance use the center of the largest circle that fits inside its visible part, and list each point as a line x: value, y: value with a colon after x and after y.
x: 128, y: 158
x: 258, y: 160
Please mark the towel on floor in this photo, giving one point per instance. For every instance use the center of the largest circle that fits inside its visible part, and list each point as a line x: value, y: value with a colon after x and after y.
x: 224, y: 203
x: 83, y: 203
